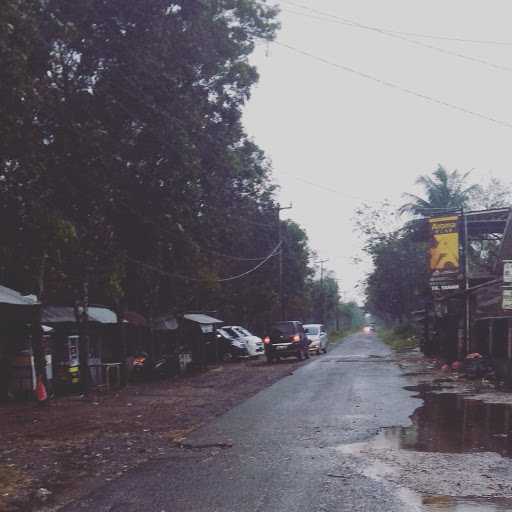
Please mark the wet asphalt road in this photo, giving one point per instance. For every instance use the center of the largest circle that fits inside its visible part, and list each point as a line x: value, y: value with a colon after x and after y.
x: 277, y: 452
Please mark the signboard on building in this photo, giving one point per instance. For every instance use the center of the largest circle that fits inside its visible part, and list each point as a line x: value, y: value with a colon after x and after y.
x: 444, y: 253
x: 507, y: 272
x: 507, y: 298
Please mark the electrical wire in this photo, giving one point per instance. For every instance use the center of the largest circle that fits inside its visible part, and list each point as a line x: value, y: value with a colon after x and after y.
x: 393, y: 85
x: 427, y: 36
x: 274, y: 252
x: 322, y: 187
x: 396, y: 35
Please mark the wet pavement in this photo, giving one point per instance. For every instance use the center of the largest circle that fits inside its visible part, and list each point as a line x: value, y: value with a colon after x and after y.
x: 342, y: 433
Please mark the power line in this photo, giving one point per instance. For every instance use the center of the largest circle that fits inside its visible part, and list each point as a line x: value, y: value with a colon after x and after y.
x: 325, y: 16
x: 160, y: 271
x: 453, y: 39
x: 434, y: 36
x: 322, y: 187
x: 420, y: 35
x: 393, y: 85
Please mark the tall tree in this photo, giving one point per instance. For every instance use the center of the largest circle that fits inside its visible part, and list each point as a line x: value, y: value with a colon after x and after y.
x: 443, y: 191
x: 398, y: 282
x: 142, y: 180
x: 493, y: 193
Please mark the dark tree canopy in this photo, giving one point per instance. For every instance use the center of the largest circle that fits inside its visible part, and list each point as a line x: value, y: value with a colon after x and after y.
x: 124, y: 163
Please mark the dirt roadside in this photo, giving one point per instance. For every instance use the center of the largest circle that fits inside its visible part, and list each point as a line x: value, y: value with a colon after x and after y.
x: 456, y: 454
x: 54, y: 453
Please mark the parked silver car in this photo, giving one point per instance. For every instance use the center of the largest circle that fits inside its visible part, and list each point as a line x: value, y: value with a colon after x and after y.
x: 253, y: 344
x: 318, y: 337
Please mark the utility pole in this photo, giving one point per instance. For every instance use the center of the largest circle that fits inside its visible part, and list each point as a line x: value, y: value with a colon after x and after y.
x: 322, y: 297
x: 467, y: 305
x: 280, y: 238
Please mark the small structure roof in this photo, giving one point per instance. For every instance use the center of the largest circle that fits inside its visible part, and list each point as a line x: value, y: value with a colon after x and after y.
x: 66, y: 314
x: 202, y: 319
x: 8, y: 296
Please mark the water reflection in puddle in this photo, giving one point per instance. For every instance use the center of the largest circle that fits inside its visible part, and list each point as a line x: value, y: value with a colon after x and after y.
x: 449, y: 504
x: 445, y: 423
x: 449, y: 423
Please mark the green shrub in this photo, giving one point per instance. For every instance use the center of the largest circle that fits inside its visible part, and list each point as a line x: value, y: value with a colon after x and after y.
x: 401, y: 337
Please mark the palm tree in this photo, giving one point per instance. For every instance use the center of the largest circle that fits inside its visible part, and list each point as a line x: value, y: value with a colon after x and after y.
x: 444, y: 191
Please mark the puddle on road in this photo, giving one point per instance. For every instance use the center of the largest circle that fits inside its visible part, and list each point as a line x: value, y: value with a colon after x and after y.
x: 449, y: 423
x: 445, y: 423
x: 470, y: 504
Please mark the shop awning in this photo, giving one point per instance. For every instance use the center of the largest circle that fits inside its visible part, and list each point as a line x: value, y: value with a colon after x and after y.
x: 66, y: 314
x: 8, y: 296
x: 202, y: 319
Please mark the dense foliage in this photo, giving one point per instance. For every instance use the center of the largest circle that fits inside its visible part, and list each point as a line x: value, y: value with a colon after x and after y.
x: 443, y: 191
x: 398, y: 247
x: 124, y: 163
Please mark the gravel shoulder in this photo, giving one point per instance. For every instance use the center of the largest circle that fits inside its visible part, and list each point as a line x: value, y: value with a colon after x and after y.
x: 442, y: 464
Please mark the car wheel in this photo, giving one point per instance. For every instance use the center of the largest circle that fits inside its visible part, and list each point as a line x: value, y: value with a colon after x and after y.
x: 226, y: 357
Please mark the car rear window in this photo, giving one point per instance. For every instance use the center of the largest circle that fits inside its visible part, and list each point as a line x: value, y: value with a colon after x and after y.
x: 312, y: 329
x: 285, y: 327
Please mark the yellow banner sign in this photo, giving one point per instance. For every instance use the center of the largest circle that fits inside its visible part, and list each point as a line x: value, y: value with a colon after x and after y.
x: 444, y: 248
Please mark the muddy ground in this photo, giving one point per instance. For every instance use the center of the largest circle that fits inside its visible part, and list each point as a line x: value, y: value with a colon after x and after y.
x: 457, y: 453
x: 53, y: 453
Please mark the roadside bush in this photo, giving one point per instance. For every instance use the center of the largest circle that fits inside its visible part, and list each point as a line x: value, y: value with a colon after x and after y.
x: 401, y: 337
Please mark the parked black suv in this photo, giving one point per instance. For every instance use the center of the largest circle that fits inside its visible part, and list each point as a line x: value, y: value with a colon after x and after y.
x: 286, y: 339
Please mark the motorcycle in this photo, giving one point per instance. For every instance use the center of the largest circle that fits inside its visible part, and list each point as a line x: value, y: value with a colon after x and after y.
x: 143, y: 368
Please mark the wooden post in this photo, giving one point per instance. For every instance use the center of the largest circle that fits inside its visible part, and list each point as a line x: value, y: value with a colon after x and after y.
x: 461, y: 349
x: 491, y: 337
x: 509, y: 338
x: 121, y: 332
x: 82, y: 318
x: 467, y: 309
x: 38, y: 349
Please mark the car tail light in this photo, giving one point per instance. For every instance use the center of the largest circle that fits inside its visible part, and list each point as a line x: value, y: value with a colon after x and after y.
x: 266, y: 340
x: 296, y: 338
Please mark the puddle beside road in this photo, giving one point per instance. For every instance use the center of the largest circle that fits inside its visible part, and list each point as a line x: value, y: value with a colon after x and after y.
x: 470, y: 504
x: 449, y: 423
x: 444, y: 425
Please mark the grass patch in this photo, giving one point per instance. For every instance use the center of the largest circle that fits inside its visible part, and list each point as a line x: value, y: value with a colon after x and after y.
x: 401, y: 337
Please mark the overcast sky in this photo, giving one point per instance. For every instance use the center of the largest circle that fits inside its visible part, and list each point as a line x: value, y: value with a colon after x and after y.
x: 365, y: 140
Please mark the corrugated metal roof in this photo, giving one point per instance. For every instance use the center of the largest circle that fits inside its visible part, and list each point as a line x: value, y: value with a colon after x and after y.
x: 102, y: 315
x: 202, y: 319
x: 8, y: 296
x: 66, y: 314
